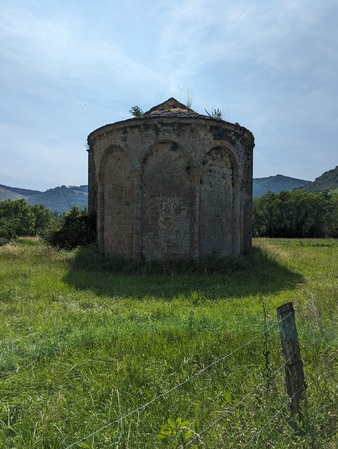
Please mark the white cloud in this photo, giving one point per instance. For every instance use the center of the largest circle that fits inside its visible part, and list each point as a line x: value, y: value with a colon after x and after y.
x: 59, y: 49
x: 270, y: 34
x: 71, y: 66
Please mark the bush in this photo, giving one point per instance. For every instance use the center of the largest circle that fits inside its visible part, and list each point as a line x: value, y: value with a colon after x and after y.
x: 18, y: 219
x: 295, y: 214
x: 78, y: 229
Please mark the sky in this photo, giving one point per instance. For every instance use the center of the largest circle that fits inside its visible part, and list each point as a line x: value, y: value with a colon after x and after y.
x: 68, y: 67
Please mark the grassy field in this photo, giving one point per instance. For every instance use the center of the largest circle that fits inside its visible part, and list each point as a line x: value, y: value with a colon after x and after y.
x: 98, y: 354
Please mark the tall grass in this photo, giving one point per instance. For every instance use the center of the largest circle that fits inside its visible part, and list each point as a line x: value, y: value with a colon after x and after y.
x: 85, y: 341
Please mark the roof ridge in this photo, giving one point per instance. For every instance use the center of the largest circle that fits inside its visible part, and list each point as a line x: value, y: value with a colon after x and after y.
x: 171, y: 105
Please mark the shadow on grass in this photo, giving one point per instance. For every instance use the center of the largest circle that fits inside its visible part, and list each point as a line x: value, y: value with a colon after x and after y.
x: 212, y: 278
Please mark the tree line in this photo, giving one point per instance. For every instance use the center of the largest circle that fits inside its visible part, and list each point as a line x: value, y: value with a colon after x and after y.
x: 68, y: 230
x: 296, y: 214
x: 18, y: 219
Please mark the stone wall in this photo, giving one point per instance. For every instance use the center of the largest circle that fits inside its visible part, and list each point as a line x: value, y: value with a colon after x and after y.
x: 171, y: 186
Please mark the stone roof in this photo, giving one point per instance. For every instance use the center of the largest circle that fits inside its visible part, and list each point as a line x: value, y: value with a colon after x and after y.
x: 171, y: 107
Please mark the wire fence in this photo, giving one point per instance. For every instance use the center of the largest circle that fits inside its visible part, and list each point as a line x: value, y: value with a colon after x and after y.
x: 197, y: 436
x: 231, y: 409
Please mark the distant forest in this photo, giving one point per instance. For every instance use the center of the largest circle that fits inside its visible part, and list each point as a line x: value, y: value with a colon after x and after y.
x: 311, y: 210
x: 60, y: 199
x: 296, y: 214
x: 66, y: 231
x: 308, y: 211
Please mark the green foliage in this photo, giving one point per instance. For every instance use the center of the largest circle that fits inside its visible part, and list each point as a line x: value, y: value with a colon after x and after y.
x: 82, y: 347
x: 176, y: 430
x: 45, y: 221
x: 18, y: 219
x: 333, y: 222
x: 327, y: 182
x: 276, y: 184
x: 215, y: 113
x: 136, y: 111
x: 15, y: 193
x: 92, y: 258
x: 78, y: 228
x: 295, y: 214
x: 59, y: 200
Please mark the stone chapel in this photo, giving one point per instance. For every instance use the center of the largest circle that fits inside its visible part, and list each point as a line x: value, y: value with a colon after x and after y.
x: 170, y: 184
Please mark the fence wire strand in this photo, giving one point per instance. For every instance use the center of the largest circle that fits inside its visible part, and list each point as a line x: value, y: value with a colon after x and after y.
x: 231, y: 409
x: 318, y: 371
x: 176, y: 387
x: 260, y: 430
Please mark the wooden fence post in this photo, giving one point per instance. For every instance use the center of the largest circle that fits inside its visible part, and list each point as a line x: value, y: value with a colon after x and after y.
x: 294, y: 374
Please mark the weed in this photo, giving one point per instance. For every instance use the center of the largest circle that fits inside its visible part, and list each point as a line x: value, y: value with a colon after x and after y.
x: 177, y: 430
x: 86, y: 340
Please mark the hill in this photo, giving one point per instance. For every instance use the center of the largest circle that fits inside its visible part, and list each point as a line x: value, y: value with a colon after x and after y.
x: 15, y: 193
x: 276, y: 184
x: 327, y: 182
x: 83, y: 342
x: 6, y: 194
x: 60, y: 199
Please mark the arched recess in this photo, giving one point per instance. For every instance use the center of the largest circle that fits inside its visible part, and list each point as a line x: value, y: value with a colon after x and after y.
x: 219, y: 208
x: 167, y: 200
x: 116, y: 204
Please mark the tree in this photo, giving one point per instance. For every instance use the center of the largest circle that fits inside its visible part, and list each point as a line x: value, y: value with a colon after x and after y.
x: 215, y: 113
x: 18, y: 219
x: 136, y: 111
x: 78, y: 229
x: 45, y: 221
x: 263, y: 215
x: 333, y: 218
x: 293, y: 214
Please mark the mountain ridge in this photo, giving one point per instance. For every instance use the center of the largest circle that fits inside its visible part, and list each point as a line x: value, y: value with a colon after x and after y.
x: 276, y: 184
x: 327, y: 182
x: 61, y: 199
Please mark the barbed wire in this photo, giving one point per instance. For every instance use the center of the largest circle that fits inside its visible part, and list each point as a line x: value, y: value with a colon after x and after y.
x: 260, y: 430
x: 287, y: 402
x: 316, y: 373
x: 320, y: 370
x: 176, y: 387
x: 231, y: 409
x: 316, y: 332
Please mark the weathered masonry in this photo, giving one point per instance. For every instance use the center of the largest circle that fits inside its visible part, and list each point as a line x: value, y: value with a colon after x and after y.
x: 171, y: 184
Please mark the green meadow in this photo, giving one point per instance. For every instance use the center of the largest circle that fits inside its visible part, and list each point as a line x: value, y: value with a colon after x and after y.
x: 98, y: 353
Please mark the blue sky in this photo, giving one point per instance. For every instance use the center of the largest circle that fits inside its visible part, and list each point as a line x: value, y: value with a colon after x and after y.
x: 71, y: 66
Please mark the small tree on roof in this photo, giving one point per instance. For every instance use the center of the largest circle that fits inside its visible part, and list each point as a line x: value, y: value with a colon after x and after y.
x: 136, y: 111
x: 215, y: 113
